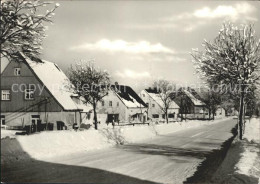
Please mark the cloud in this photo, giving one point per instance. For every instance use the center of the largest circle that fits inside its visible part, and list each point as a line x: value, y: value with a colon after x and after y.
x: 161, y: 58
x: 124, y: 46
x: 132, y: 74
x: 189, y: 21
x: 232, y: 12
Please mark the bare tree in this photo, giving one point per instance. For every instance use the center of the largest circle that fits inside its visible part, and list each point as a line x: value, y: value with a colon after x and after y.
x: 232, y: 58
x: 22, y: 27
x: 165, y: 94
x: 90, y: 83
x: 212, y: 98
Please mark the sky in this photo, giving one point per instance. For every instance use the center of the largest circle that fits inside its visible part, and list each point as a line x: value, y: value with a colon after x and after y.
x: 138, y: 42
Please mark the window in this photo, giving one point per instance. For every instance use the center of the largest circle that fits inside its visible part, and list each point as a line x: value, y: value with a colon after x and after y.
x: 143, y: 95
x: 153, y: 105
x: 6, y: 94
x: 163, y: 116
x: 2, y: 117
x: 88, y: 116
x: 147, y: 104
x: 17, y: 71
x: 35, y: 119
x: 29, y: 93
x: 171, y: 115
x: 117, y: 104
x: 110, y: 103
x: 103, y: 103
x: 155, y: 115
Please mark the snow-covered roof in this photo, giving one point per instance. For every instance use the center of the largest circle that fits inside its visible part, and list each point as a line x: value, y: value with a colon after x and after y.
x: 128, y: 96
x: 55, y: 81
x: 81, y: 103
x: 156, y: 97
x: 193, y: 98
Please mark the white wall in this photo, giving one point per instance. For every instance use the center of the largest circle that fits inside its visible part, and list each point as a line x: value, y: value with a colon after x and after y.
x: 24, y: 118
x: 156, y: 109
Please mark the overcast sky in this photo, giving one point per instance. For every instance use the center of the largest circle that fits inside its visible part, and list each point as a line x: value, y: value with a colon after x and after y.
x: 138, y: 41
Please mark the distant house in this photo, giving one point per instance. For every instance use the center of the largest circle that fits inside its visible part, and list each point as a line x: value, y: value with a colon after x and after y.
x: 191, y: 105
x: 35, y: 93
x: 220, y: 112
x: 155, y: 106
x: 122, y: 105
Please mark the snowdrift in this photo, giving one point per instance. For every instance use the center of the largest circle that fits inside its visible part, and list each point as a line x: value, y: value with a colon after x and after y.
x: 58, y: 143
x: 249, y: 163
x: 252, y: 130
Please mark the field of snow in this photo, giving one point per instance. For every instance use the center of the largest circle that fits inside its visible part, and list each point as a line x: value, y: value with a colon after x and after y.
x: 57, y: 143
x: 249, y: 163
x: 8, y: 133
x: 252, y: 130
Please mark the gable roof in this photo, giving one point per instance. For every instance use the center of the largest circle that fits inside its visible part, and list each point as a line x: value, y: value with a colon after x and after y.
x: 194, y: 100
x: 128, y: 96
x: 154, y: 94
x: 55, y: 81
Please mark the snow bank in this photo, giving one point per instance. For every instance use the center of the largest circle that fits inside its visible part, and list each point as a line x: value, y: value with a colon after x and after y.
x: 247, y: 160
x: 137, y: 133
x: 8, y: 133
x: 252, y: 130
x: 249, y: 163
x: 55, y: 143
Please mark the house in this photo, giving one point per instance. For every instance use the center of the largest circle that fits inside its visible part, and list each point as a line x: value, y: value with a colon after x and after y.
x: 121, y: 105
x: 156, y: 106
x: 191, y: 105
x: 220, y: 113
x: 36, y: 93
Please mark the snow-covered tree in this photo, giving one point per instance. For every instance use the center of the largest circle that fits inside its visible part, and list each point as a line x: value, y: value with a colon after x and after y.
x: 165, y: 94
x: 22, y: 27
x: 90, y: 83
x: 232, y: 58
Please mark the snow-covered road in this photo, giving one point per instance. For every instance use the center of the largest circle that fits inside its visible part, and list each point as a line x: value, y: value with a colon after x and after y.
x: 167, y: 159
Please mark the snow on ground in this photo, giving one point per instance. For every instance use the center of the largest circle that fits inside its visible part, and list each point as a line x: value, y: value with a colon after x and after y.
x: 249, y: 163
x: 57, y: 143
x: 8, y: 133
x: 252, y: 130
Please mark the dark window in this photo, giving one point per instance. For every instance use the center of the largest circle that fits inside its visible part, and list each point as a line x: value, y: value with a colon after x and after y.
x: 29, y: 93
x: 2, y: 120
x: 88, y: 116
x: 110, y: 103
x: 155, y: 115
x: 17, y: 71
x: 117, y: 104
x: 163, y: 116
x: 103, y: 103
x: 147, y: 104
x: 171, y: 115
x: 153, y: 105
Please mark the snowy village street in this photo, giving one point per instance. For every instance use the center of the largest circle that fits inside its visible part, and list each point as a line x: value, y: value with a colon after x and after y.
x: 168, y: 158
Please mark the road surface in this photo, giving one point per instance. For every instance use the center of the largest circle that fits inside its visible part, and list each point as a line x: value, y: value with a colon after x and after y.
x: 166, y: 159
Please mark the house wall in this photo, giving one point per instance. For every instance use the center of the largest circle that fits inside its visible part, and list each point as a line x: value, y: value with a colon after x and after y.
x: 17, y: 85
x: 154, y: 107
x: 220, y: 113
x: 199, y: 110
x: 18, y: 111
x: 21, y: 119
x: 117, y: 108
